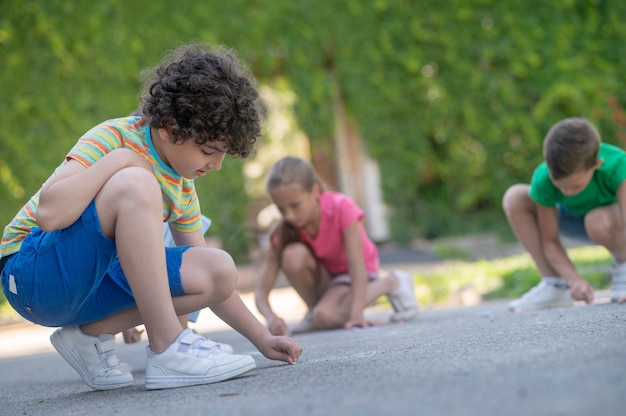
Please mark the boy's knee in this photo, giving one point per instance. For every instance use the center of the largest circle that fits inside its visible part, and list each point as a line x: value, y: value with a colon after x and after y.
x: 223, y: 274
x: 514, y: 196
x: 133, y: 185
x: 602, y: 227
x: 209, y: 272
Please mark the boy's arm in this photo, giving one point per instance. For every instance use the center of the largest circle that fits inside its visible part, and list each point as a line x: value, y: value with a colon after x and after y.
x: 621, y: 204
x: 269, y: 274
x: 358, y: 274
x: 557, y: 256
x: 66, y: 195
x: 235, y: 313
x: 195, y: 238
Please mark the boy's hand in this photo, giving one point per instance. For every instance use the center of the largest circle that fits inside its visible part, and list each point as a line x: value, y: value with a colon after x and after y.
x: 277, y: 326
x: 132, y: 335
x: 280, y: 348
x: 581, y: 290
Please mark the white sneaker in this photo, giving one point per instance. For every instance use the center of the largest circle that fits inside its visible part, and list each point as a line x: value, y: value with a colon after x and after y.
x: 403, y: 298
x: 193, y: 360
x: 542, y: 296
x: 305, y: 325
x: 226, y: 348
x: 92, y: 357
x: 618, y: 284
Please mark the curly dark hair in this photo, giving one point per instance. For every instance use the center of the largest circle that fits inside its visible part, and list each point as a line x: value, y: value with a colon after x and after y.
x: 206, y: 93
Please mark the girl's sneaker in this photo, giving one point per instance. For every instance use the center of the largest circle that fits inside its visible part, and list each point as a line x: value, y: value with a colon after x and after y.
x: 403, y: 298
x: 193, y: 360
x: 543, y: 296
x: 92, y: 357
x: 305, y: 325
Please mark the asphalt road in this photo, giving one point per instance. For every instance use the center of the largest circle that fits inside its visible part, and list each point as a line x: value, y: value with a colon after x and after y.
x: 480, y: 360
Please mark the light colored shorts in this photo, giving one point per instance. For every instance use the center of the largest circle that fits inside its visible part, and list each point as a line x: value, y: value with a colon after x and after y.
x: 73, y: 276
x: 344, y: 279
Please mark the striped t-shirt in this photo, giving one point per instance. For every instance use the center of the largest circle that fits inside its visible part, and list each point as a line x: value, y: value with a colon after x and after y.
x: 180, y: 201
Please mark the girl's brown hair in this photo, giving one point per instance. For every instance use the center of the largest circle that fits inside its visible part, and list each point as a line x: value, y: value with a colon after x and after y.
x: 287, y: 171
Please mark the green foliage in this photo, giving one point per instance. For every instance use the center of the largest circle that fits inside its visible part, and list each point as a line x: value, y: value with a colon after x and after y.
x: 451, y: 98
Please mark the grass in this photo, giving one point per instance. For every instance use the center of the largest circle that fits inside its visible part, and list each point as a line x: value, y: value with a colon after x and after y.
x: 507, y: 277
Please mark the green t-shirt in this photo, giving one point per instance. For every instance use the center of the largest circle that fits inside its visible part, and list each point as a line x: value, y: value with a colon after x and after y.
x: 601, y: 190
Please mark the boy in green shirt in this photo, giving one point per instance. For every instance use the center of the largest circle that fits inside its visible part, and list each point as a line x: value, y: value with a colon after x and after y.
x: 579, y: 192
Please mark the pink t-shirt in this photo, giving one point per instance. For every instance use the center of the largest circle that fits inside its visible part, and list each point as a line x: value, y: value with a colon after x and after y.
x: 338, y: 212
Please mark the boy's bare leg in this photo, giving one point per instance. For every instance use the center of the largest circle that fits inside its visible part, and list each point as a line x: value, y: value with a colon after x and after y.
x: 130, y: 211
x: 604, y: 227
x: 202, y: 268
x: 133, y: 335
x: 521, y: 213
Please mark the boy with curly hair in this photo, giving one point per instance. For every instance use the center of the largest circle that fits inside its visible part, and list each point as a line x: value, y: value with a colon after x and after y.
x: 86, y: 253
x: 579, y: 191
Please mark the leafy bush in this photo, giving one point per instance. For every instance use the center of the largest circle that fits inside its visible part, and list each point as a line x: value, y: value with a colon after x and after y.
x: 452, y: 101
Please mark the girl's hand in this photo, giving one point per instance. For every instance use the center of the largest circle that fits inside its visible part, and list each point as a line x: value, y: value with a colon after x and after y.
x: 280, y: 348
x: 362, y: 323
x: 277, y: 326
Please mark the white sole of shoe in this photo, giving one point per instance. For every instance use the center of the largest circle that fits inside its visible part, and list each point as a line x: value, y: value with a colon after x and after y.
x: 540, y: 307
x: 405, y: 315
x: 237, y: 368
x: 401, y: 312
x: 68, y: 355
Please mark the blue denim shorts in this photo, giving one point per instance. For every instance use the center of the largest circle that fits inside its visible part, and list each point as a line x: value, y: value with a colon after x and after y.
x: 572, y: 225
x: 73, y: 276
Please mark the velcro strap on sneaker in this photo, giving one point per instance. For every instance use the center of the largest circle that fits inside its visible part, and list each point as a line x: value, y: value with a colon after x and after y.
x: 202, y: 346
x: 105, y: 346
x: 112, y: 361
x: 190, y: 338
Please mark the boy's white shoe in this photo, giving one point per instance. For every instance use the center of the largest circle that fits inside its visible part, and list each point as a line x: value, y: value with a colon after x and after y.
x: 403, y: 298
x: 92, y: 357
x: 618, y: 284
x: 542, y: 296
x: 226, y: 348
x: 193, y: 360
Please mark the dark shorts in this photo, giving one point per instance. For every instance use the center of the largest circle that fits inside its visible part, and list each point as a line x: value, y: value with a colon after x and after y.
x: 572, y: 225
x: 73, y: 276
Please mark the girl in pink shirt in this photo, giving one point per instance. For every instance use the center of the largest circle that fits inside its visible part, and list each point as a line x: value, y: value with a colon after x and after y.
x: 322, y: 248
